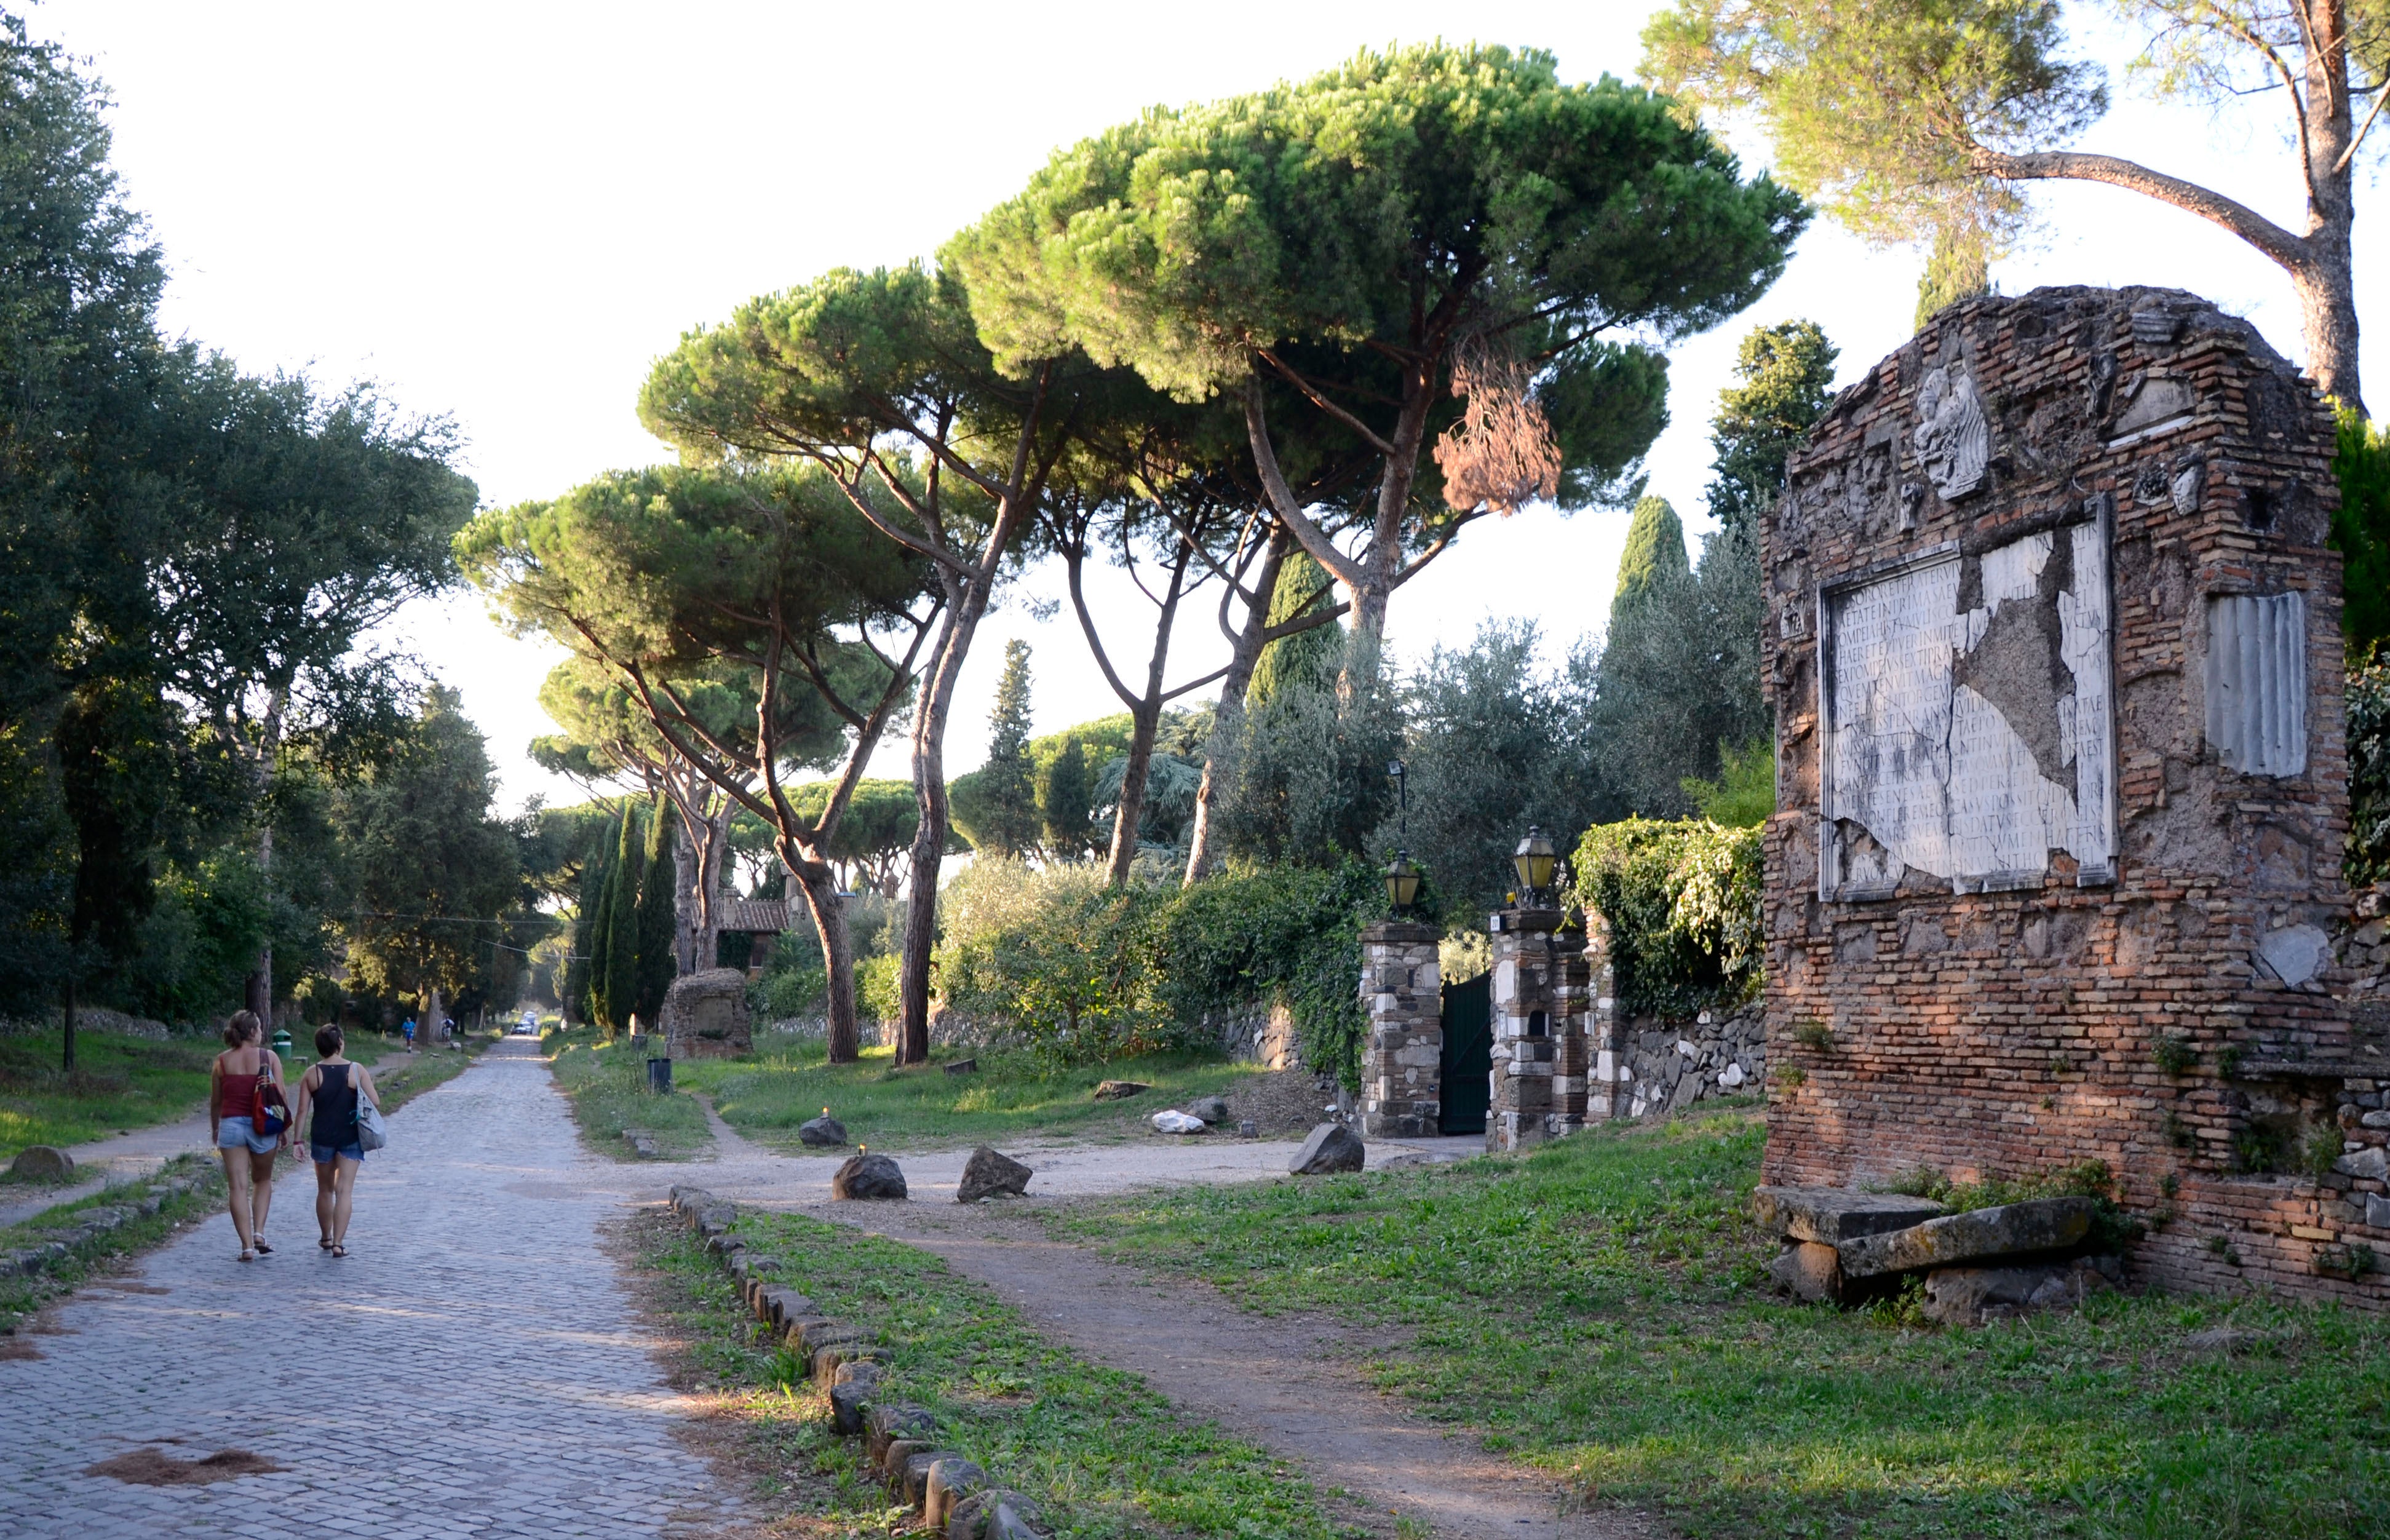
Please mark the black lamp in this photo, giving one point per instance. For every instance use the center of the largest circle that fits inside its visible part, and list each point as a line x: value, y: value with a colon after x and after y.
x: 1401, y: 878
x: 1534, y: 860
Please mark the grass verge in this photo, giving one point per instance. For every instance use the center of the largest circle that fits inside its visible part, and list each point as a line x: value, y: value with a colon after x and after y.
x: 1598, y: 1308
x: 119, y: 1084
x: 1102, y: 1455
x: 1011, y: 1094
x: 21, y: 1295
x: 607, y: 1088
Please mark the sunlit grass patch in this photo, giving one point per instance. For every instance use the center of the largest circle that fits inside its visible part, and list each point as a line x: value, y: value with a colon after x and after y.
x: 607, y: 1086
x: 1598, y: 1308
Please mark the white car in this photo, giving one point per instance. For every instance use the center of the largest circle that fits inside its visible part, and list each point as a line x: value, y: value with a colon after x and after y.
x: 528, y: 1026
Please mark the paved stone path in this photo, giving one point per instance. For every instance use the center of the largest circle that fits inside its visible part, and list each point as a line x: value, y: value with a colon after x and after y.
x: 473, y: 1368
x: 120, y: 1158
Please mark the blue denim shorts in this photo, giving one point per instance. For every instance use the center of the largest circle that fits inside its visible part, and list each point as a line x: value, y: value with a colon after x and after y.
x: 235, y: 1133
x: 324, y: 1152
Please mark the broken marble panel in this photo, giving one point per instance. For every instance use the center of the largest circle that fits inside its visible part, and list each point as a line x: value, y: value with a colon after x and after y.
x: 1969, y: 722
x: 2257, y: 682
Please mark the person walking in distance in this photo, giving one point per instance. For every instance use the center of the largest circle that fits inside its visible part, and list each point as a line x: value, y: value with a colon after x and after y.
x: 331, y: 1090
x: 244, y: 1098
x: 410, y: 1035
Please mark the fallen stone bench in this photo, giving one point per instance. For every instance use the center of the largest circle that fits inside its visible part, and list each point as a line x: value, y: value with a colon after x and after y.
x: 1837, y: 1243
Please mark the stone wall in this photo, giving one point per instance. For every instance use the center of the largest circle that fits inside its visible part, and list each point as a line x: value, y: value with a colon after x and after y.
x: 1670, y: 1065
x: 2055, y: 658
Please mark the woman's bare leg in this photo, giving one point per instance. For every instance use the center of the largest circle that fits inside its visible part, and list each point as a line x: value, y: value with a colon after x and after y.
x: 235, y: 1164
x: 346, y: 1181
x: 326, y: 1194
x: 260, y: 1181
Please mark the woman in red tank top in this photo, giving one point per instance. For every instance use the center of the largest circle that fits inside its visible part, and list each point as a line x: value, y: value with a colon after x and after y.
x: 231, y: 1108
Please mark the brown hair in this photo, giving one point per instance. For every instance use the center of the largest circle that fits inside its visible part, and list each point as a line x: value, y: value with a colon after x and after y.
x: 328, y: 1040
x: 242, y: 1027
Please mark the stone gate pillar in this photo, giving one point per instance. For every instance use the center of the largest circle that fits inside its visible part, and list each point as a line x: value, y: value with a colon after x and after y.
x: 1402, y: 1061
x: 1541, y: 993
x: 1606, y: 1056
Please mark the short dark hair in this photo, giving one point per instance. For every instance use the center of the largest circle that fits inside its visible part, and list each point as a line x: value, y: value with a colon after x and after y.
x: 328, y: 1040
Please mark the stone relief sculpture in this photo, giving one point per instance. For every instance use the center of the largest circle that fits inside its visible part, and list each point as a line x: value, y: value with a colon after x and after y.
x: 1953, y: 443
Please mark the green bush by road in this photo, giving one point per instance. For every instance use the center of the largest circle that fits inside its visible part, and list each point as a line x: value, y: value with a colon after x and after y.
x: 1598, y: 1307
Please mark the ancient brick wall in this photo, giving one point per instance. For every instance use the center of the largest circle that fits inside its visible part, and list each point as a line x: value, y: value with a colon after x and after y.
x: 2055, y: 657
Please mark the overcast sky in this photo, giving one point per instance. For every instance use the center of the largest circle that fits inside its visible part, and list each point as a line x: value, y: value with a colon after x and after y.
x: 506, y: 211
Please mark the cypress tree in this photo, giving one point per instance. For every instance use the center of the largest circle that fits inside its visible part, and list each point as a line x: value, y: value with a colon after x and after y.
x: 1009, y: 782
x: 1308, y: 658
x: 582, y: 971
x: 659, y: 898
x: 1654, y: 558
x: 1065, y: 799
x: 621, y: 921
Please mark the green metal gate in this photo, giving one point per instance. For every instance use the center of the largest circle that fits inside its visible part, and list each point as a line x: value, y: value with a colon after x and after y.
x: 1467, y: 1067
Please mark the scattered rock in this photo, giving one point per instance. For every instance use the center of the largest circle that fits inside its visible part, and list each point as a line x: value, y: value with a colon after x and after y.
x: 868, y: 1176
x: 989, y: 1174
x: 1121, y: 1090
x: 1013, y: 1517
x: 822, y: 1132
x: 40, y: 1162
x: 782, y: 1304
x: 1808, y: 1270
x: 1248, y: 1129
x: 1965, y: 1296
x: 850, y: 1402
x: 1174, y: 1121
x: 893, y: 1460
x: 963, y: 1066
x: 2226, y: 1339
x: 642, y: 1143
x: 950, y: 1480
x: 2012, y: 1229
x: 912, y: 1480
x: 1836, y: 1215
x: 1332, y: 1147
x: 887, y: 1424
x: 1212, y: 1110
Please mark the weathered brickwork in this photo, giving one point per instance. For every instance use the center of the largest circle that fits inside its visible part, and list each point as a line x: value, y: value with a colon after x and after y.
x: 1541, y: 994
x: 1402, y: 1092
x: 2117, y: 490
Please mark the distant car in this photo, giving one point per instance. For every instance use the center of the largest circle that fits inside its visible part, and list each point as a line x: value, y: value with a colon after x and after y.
x: 528, y: 1026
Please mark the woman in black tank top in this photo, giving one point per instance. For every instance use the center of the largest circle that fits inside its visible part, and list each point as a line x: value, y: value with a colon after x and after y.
x: 330, y: 1093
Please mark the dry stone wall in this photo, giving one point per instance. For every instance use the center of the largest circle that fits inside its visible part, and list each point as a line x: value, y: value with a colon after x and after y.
x: 2055, y: 658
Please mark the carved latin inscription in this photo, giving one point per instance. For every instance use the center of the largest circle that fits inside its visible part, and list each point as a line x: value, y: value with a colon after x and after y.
x: 1968, y: 719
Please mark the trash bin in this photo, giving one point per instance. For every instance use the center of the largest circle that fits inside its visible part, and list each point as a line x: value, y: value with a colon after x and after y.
x: 282, y: 1042
x: 660, y: 1076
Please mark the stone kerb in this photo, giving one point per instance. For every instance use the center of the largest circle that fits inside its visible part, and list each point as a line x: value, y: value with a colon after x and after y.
x: 1542, y: 990
x: 1402, y: 1064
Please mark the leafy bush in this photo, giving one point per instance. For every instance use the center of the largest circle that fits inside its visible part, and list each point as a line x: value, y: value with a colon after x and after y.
x: 1085, y: 973
x: 1682, y: 900
x: 2367, y: 858
x: 2360, y: 532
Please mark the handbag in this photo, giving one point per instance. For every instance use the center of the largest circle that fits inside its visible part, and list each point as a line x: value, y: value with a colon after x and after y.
x: 272, y: 1115
x: 372, y: 1133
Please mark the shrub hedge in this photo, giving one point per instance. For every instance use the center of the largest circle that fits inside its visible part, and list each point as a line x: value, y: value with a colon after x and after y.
x: 1682, y: 900
x: 1081, y: 973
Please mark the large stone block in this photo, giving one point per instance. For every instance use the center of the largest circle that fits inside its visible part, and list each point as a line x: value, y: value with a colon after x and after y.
x: 1834, y: 1215
x: 705, y: 1015
x: 2037, y: 1226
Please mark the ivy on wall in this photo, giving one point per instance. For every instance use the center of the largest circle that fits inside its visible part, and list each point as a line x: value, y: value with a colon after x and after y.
x: 1682, y: 900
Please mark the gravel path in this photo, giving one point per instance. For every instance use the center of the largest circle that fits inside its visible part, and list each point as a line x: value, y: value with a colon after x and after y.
x: 474, y: 1368
x: 1290, y: 1383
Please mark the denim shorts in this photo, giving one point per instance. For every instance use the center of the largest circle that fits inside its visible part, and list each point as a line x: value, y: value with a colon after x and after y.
x: 235, y: 1133
x: 324, y: 1152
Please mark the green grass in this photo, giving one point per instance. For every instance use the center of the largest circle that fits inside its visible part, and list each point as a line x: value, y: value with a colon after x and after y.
x: 119, y: 1084
x: 607, y: 1086
x: 1101, y: 1454
x: 1011, y: 1095
x: 1598, y: 1309
x: 21, y: 1295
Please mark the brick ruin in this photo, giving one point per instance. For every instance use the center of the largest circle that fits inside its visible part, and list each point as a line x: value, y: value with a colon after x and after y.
x: 2054, y: 650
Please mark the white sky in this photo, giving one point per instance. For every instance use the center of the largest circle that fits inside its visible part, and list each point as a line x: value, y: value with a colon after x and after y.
x: 506, y: 211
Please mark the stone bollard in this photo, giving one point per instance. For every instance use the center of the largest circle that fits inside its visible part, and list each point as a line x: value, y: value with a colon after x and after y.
x: 1540, y: 993
x: 1402, y: 1064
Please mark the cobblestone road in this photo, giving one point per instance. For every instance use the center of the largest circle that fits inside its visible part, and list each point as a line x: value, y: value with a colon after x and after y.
x: 473, y: 1368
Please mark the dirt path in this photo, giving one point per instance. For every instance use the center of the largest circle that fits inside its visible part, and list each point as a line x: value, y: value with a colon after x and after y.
x: 1290, y: 1383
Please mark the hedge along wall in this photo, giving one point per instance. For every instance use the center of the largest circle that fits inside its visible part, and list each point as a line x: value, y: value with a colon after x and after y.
x: 1053, y: 960
x: 1681, y: 902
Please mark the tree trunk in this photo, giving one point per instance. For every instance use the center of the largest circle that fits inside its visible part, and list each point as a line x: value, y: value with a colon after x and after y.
x: 1145, y: 719
x: 930, y: 839
x: 1227, y: 721
x: 819, y: 885
x: 259, y: 995
x: 427, y: 1030
x: 688, y: 898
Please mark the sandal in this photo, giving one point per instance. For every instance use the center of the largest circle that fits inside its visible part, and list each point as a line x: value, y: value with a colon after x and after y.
x: 325, y: 1244
x: 262, y: 1249
x: 339, y: 1249
x: 248, y: 1255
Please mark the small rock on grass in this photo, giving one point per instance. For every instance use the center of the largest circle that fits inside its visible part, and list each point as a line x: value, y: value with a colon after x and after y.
x: 1121, y: 1090
x: 1212, y: 1110
x: 1175, y: 1122
x: 1332, y: 1147
x: 40, y: 1162
x: 868, y: 1176
x: 822, y: 1132
x: 989, y: 1174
